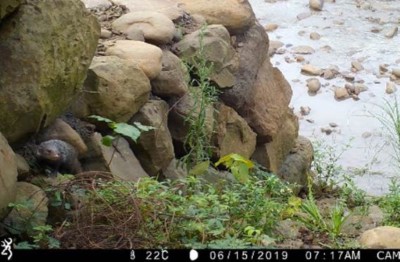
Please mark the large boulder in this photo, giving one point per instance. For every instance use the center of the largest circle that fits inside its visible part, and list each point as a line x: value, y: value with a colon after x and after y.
x: 117, y: 88
x: 232, y: 134
x: 381, y: 237
x: 8, y: 6
x: 154, y: 148
x: 261, y: 94
x: 30, y: 211
x: 156, y: 27
x: 296, y: 166
x: 147, y: 57
x: 173, y: 79
x: 272, y: 154
x: 117, y: 159
x: 267, y: 102
x: 169, y: 8
x: 212, y: 44
x: 45, y: 50
x: 235, y: 15
x: 8, y: 175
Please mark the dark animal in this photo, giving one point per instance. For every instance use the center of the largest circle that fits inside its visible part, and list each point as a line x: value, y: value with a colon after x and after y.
x: 59, y: 156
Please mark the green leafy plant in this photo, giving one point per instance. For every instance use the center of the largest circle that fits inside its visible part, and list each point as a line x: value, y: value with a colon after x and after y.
x: 329, y: 171
x: 390, y: 119
x: 184, y: 213
x: 238, y: 165
x: 197, y: 141
x: 131, y: 131
x: 390, y: 204
x: 312, y: 217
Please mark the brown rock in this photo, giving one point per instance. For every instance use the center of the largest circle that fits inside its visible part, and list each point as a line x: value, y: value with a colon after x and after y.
x: 315, y: 36
x: 316, y: 4
x: 232, y: 127
x: 341, y: 93
x: 108, y: 78
x: 390, y: 88
x: 311, y: 70
x: 42, y: 66
x: 314, y: 85
x: 170, y: 8
x: 272, y: 154
x: 381, y: 237
x: 270, y: 27
x: 156, y: 27
x: 235, y: 15
x: 356, y: 66
x: 396, y: 72
x: 147, y: 57
x: 8, y: 175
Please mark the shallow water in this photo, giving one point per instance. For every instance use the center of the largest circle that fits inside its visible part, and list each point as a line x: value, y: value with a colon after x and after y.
x: 347, y: 30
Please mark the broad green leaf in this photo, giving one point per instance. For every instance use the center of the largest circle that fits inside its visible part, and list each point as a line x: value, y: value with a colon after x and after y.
x: 102, y: 119
x: 200, y: 168
x: 239, y: 158
x: 127, y: 130
x: 107, y: 140
x: 225, y: 160
x: 230, y: 159
x: 143, y: 127
x: 239, y: 172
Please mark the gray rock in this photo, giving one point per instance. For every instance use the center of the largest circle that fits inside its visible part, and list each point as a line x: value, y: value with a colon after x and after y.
x: 297, y: 164
x: 31, y: 210
x: 217, y: 50
x: 392, y: 32
x: 173, y: 79
x: 175, y: 170
x: 303, y: 49
x: 181, y: 109
x: 154, y: 148
x: 117, y: 159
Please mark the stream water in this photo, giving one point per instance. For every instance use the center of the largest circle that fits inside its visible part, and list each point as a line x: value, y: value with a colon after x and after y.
x: 346, y: 35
